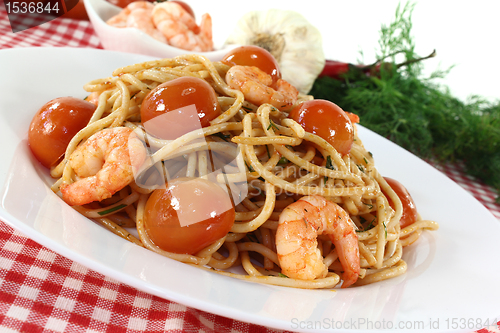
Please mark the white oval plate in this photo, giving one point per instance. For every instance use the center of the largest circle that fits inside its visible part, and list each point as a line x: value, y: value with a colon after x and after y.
x: 452, y: 273
x: 134, y: 40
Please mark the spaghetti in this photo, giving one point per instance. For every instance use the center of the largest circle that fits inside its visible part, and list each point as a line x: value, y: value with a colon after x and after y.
x: 269, y: 161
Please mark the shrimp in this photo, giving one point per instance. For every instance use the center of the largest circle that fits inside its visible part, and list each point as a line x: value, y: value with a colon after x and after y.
x: 141, y: 19
x: 180, y: 28
x: 105, y: 163
x: 120, y: 20
x: 255, y: 85
x: 300, y: 224
x: 138, y: 15
x: 93, y: 98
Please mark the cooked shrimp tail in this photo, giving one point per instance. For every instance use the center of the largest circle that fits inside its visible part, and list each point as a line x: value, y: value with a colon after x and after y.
x: 300, y: 224
x: 105, y: 163
x: 257, y: 87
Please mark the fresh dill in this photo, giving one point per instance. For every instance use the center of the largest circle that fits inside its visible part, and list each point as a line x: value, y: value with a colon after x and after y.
x: 416, y: 112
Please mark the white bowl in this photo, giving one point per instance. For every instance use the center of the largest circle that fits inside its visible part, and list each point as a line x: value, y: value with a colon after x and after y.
x: 133, y: 40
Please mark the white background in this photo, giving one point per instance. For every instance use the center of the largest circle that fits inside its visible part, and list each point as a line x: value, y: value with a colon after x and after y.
x: 464, y: 33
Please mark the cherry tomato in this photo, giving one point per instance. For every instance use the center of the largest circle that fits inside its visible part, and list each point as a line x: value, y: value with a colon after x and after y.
x: 54, y: 125
x: 187, y: 216
x: 78, y: 12
x: 251, y: 55
x: 326, y: 120
x: 410, y: 214
x: 190, y: 103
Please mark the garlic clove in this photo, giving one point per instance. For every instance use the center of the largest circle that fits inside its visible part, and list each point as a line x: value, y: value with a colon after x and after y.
x: 296, y: 44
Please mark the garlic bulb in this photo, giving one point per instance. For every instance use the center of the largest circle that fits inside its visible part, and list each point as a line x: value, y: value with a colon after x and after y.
x: 290, y: 38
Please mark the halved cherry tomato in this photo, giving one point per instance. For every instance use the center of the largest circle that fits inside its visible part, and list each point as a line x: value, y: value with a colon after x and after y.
x: 191, y: 102
x: 326, y: 120
x: 187, y: 216
x: 251, y: 55
x: 54, y: 125
x: 410, y: 214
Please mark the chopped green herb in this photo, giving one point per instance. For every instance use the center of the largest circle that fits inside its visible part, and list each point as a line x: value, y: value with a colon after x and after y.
x: 222, y: 136
x: 111, y: 210
x: 268, y: 153
x: 329, y: 165
x: 272, y: 124
x: 253, y: 238
x: 371, y: 224
x: 282, y: 161
x: 249, y: 167
x: 368, y: 227
x: 282, y: 275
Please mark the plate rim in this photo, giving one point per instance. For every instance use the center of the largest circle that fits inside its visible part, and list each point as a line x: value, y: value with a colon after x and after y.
x: 208, y: 307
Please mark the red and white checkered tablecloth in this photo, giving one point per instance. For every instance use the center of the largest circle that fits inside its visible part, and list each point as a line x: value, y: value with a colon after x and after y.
x: 42, y: 291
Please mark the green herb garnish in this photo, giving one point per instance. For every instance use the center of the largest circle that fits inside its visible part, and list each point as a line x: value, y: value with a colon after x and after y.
x: 416, y: 112
x: 329, y: 165
x: 272, y: 124
x: 249, y: 167
x: 111, y: 210
x: 253, y: 238
x: 222, y: 136
x: 283, y: 161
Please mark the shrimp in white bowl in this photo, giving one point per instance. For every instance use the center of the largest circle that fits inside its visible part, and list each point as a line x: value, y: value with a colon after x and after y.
x: 180, y: 29
x: 138, y: 15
